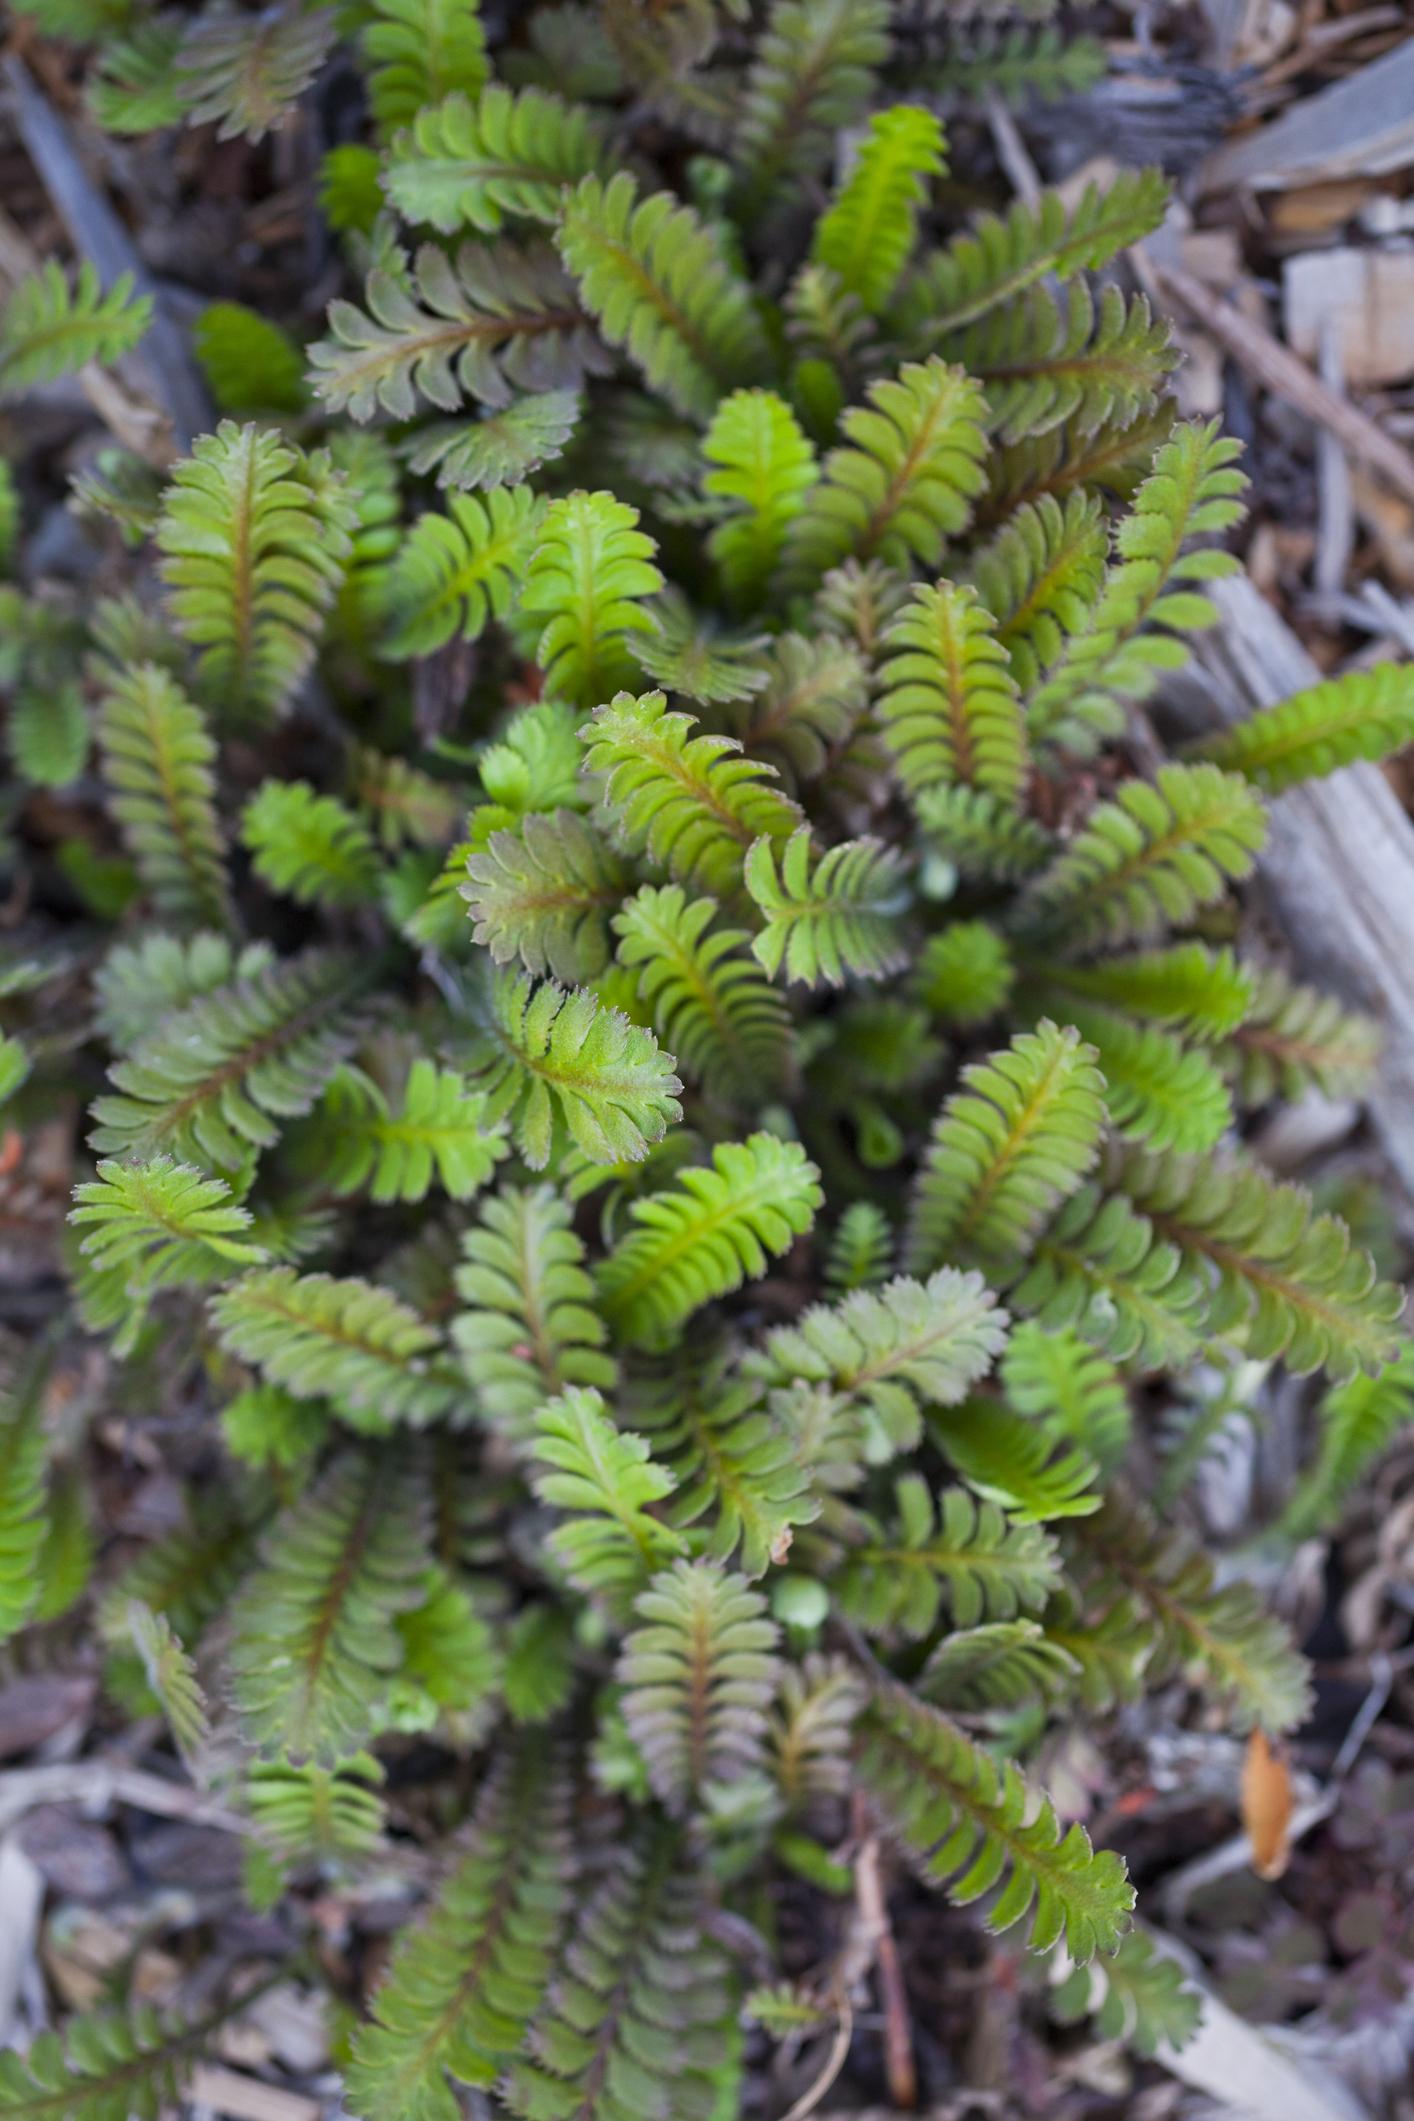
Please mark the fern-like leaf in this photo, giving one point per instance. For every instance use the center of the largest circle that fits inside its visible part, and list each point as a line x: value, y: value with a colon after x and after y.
x: 813, y: 697
x: 980, y: 836
x: 1193, y: 491
x: 1224, y: 1633
x: 503, y: 157
x: 695, y: 654
x: 698, y: 1675
x: 1150, y: 858
x: 1011, y: 1462
x: 48, y: 329
x: 965, y: 974
x: 345, y: 1340
x: 172, y: 1678
x: 1044, y: 361
x: 868, y: 232
x: 904, y: 482
x: 1159, y: 1091
x: 456, y: 571
x: 765, y: 465
x: 217, y: 1076
x: 310, y: 846
x: 1006, y: 1664
x: 314, y: 1814
x: 645, y: 2003
x: 1355, y: 1422
x: 161, y: 1224
x: 708, y: 1001
x: 419, y: 51
x: 160, y: 974
x: 503, y: 447
x: 812, y: 76
x: 466, y: 1981
x: 721, y: 1223
x: 949, y: 709
x: 818, y: 1703
x: 1008, y: 1147
x: 589, y: 573
x: 543, y: 893
x: 893, y: 1348
x: 940, y: 1549
x: 1074, y: 1393
x: 1139, y: 1997
x: 314, y: 1637
x: 23, y: 1486
x: 741, y: 1490
x: 529, y: 1328
x: 998, y: 259
x: 438, y: 1134
x: 1040, y: 577
x: 825, y: 921
x: 133, y: 87
x: 656, y: 280
x: 1288, y: 1280
x: 1365, y: 714
x: 1020, y: 64
x: 1100, y: 1268
x: 1202, y: 992
x: 548, y: 1051
x: 105, y: 2064
x: 244, y: 73
x: 957, y: 1812
x: 157, y: 762
x: 605, y: 1483
x: 253, y: 551
x: 1294, y: 1038
x: 481, y: 325
x: 693, y: 803
x: 861, y: 1249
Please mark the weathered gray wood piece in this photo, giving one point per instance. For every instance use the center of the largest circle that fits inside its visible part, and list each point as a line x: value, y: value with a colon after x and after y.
x: 1360, y: 126
x: 1338, y: 870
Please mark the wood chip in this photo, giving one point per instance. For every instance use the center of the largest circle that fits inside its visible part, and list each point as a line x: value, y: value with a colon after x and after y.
x: 21, y: 1898
x: 1338, y: 867
x: 227, y: 2091
x: 1317, y: 209
x: 1361, y: 126
x: 1282, y: 371
x: 38, y: 1705
x: 1249, y: 2071
x: 1366, y: 297
x: 76, y: 1856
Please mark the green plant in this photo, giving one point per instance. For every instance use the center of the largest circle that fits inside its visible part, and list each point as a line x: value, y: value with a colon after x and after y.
x: 666, y: 1166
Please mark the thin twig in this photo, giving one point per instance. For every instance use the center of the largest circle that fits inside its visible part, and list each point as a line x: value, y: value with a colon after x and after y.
x: 1335, y: 511
x: 873, y: 1909
x: 834, y: 2063
x: 1012, y: 151
x: 1363, y: 1721
x: 1285, y: 373
x: 98, y: 1784
x: 1235, y: 1854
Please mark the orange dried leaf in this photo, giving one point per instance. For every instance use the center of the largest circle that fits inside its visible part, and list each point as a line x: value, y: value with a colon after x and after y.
x: 1267, y: 1805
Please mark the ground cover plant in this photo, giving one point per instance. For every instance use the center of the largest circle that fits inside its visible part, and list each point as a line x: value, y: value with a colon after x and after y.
x: 665, y: 1053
